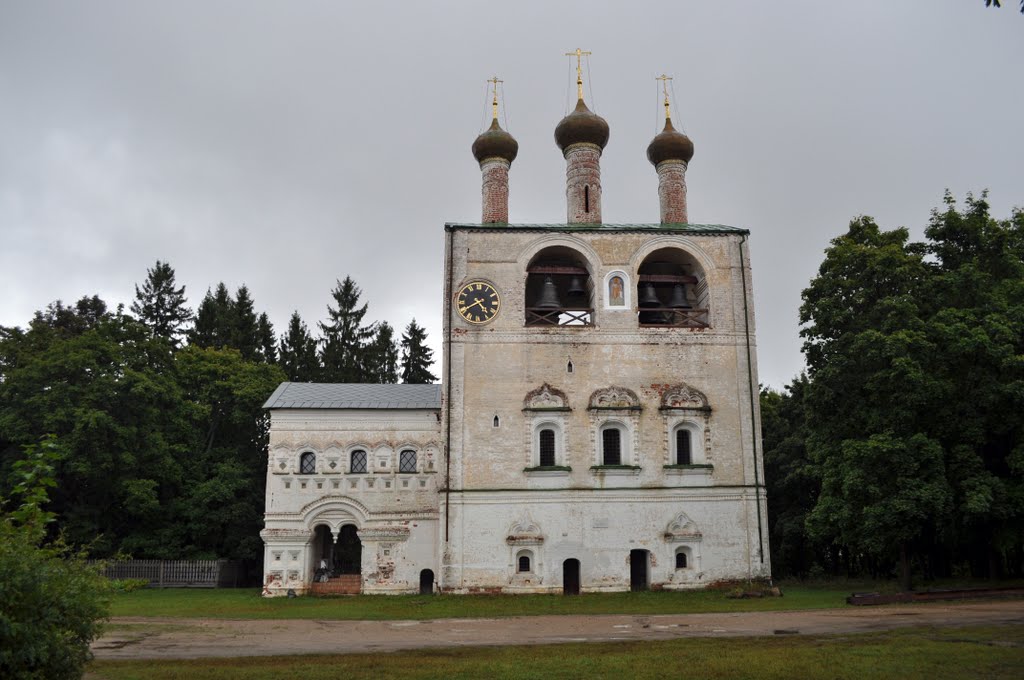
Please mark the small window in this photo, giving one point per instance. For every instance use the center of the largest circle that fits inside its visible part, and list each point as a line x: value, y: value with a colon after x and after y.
x: 547, y: 447
x: 307, y: 463
x: 680, y: 560
x: 683, y: 451
x: 611, y: 446
x: 568, y: 367
x: 495, y: 422
x: 524, y: 564
x: 358, y: 461
x: 407, y: 461
x: 586, y: 198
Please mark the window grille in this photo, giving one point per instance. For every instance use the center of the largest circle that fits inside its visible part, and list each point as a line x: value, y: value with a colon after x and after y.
x: 547, y: 447
x: 680, y: 560
x: 407, y: 461
x: 358, y: 461
x: 611, y: 440
x: 683, y: 456
x: 524, y: 564
x: 307, y: 463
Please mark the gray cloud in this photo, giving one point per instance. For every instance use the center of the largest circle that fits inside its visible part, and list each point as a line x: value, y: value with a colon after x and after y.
x: 285, y: 145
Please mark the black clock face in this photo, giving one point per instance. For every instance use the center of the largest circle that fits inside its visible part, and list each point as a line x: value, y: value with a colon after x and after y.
x: 478, y: 302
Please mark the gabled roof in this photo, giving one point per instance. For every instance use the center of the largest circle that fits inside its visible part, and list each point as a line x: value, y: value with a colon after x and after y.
x: 354, y: 395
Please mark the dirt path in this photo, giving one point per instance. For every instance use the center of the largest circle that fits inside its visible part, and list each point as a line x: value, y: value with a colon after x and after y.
x: 163, y: 638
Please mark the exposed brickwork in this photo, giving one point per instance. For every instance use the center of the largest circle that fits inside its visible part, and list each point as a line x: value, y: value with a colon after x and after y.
x: 583, y: 183
x: 346, y: 584
x: 672, y: 191
x: 495, y: 190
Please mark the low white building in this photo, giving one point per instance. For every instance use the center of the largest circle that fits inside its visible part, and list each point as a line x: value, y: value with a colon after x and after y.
x: 597, y: 427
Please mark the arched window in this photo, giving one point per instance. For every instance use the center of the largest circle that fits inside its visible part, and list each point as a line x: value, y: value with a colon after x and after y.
x: 558, y: 289
x: 358, y: 460
x: 307, y: 463
x: 547, y: 447
x: 680, y: 560
x: 611, y: 445
x: 407, y: 461
x: 684, y: 453
x: 524, y: 562
x: 672, y: 290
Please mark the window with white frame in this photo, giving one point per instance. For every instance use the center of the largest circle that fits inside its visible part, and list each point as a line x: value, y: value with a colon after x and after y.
x: 524, y: 562
x: 686, y: 444
x: 307, y: 463
x: 611, y: 444
x: 358, y: 462
x: 407, y: 461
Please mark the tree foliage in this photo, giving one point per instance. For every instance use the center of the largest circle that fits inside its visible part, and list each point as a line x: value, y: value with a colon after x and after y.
x: 416, y: 355
x: 160, y: 305
x: 298, y: 352
x: 912, y: 410
x: 345, y: 338
x: 51, y: 602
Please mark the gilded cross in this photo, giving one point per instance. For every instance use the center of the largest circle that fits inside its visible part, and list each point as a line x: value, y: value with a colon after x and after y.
x: 664, y: 88
x: 579, y: 54
x: 494, y: 104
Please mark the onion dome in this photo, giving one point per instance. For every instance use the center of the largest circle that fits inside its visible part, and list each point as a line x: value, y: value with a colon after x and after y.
x: 495, y: 143
x: 670, y: 145
x: 581, y: 126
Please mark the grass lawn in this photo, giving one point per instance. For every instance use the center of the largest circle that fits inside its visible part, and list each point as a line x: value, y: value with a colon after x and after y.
x: 927, y: 653
x: 244, y: 603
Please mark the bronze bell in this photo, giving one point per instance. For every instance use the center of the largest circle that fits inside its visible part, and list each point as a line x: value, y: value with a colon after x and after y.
x: 649, y: 297
x: 576, y: 287
x: 679, y: 300
x: 549, y: 295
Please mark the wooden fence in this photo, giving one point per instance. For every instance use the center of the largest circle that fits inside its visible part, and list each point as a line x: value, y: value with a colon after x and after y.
x: 176, y: 573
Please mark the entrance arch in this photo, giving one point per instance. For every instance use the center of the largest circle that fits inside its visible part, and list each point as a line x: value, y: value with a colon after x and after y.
x: 348, y: 551
x: 639, y: 567
x: 427, y: 582
x: 571, y: 577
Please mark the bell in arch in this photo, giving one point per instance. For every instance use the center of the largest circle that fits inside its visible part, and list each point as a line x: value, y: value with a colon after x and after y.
x: 649, y: 298
x: 679, y: 300
x: 576, y: 288
x: 549, y: 295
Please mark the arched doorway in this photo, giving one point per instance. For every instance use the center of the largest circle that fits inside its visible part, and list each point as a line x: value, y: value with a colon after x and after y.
x: 571, y: 577
x: 638, y: 568
x: 427, y: 582
x: 323, y: 553
x: 348, y: 551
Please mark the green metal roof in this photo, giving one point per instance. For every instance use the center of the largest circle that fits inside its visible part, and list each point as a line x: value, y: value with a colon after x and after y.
x: 670, y: 228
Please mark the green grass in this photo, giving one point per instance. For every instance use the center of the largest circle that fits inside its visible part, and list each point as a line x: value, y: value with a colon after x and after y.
x: 927, y: 653
x: 247, y: 604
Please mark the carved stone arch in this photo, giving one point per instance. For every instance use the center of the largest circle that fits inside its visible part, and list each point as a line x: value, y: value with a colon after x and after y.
x: 334, y: 511
x: 683, y: 243
x: 614, y: 397
x: 579, y: 245
x: 682, y: 528
x: 683, y: 396
x: 524, y: 532
x: 545, y: 397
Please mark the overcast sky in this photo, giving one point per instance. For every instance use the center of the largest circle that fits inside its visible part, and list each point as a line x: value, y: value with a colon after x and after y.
x: 285, y: 145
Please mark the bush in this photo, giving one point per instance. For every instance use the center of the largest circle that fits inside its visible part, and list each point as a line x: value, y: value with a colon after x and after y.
x: 51, y: 601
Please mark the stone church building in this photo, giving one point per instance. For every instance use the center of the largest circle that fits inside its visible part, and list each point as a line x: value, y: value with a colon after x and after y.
x: 597, y: 425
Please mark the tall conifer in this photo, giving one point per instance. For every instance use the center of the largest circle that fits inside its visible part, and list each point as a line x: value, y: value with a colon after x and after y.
x: 160, y: 305
x: 298, y: 353
x: 416, y: 355
x: 345, y: 338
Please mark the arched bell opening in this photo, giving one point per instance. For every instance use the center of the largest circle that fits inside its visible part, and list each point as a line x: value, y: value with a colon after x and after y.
x: 559, y: 290
x: 672, y: 290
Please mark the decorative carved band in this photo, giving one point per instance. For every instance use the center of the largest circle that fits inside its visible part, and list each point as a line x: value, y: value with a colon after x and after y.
x: 683, y: 396
x: 614, y: 398
x: 545, y: 397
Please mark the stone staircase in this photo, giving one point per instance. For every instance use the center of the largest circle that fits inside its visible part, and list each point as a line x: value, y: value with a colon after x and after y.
x: 346, y: 584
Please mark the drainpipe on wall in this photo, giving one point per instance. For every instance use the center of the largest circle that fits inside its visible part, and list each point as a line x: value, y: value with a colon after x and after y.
x: 752, y: 390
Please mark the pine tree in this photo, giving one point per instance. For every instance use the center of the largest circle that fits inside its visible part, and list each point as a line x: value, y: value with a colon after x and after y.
x: 245, y: 326
x: 266, y: 340
x: 160, y: 305
x: 214, y: 319
x: 298, y: 354
x: 382, y: 356
x: 345, y: 338
x: 416, y: 356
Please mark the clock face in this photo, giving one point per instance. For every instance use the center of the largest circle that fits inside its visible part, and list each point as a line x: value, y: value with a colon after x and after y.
x: 478, y: 302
